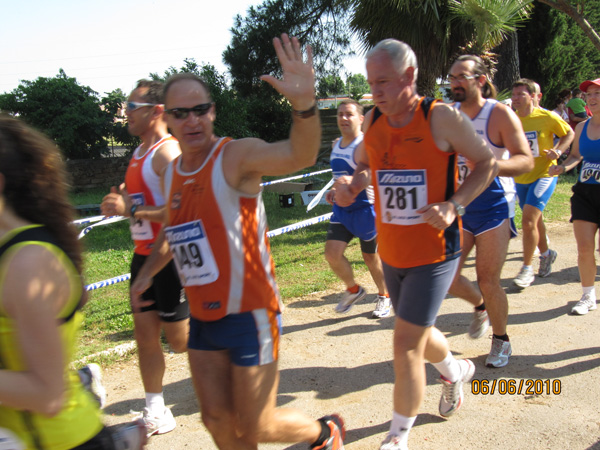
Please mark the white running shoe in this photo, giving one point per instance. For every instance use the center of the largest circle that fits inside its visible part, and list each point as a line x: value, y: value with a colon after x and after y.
x: 349, y: 299
x: 130, y: 437
x: 392, y: 442
x: 499, y: 354
x: 91, y: 377
x: 9, y: 441
x: 452, y: 393
x: 383, y: 307
x: 546, y: 263
x: 479, y: 324
x: 524, y: 278
x: 585, y: 305
x: 158, y: 425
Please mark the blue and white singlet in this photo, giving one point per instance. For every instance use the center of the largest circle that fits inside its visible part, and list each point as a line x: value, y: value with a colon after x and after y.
x: 498, y: 199
x: 343, y: 163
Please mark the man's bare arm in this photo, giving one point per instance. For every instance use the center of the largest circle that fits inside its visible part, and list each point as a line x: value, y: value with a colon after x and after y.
x: 453, y: 131
x: 513, y: 139
x: 247, y: 160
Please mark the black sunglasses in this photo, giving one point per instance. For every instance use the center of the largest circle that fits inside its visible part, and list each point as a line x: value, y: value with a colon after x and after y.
x: 182, y: 113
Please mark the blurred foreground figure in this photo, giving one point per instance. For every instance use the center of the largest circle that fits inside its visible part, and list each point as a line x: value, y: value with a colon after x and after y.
x: 43, y: 403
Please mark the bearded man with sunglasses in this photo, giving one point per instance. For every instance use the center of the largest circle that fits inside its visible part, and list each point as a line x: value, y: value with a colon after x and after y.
x: 141, y: 198
x: 215, y: 230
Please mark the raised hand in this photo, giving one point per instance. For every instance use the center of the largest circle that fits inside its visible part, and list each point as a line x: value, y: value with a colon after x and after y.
x: 298, y: 81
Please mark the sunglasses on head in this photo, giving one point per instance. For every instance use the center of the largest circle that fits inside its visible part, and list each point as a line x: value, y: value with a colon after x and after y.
x: 182, y: 113
x: 132, y: 106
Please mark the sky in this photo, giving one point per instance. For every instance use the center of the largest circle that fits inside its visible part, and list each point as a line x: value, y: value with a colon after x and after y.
x: 111, y: 44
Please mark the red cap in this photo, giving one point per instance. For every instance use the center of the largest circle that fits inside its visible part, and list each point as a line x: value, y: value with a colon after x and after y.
x: 586, y: 84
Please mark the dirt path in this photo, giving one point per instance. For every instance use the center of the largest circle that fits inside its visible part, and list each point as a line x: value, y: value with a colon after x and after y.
x: 343, y: 364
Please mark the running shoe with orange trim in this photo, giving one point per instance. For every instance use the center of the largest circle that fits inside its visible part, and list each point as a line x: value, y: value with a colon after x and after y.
x: 337, y: 433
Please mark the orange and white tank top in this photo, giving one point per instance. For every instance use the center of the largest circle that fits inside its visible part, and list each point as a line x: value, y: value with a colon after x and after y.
x: 218, y: 238
x: 409, y: 171
x: 143, y: 186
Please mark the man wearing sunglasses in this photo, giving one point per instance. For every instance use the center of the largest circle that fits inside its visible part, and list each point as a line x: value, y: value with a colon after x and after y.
x: 215, y: 230
x: 141, y: 198
x: 488, y: 221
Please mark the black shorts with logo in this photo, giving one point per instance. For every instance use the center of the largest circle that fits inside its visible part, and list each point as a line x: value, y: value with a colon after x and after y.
x: 169, y: 297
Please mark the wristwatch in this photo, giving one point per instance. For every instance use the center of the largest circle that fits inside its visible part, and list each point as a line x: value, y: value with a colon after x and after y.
x: 132, y: 211
x: 307, y: 113
x: 460, y: 209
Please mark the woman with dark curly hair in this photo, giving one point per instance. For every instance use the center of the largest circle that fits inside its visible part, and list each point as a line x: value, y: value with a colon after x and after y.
x: 43, y: 404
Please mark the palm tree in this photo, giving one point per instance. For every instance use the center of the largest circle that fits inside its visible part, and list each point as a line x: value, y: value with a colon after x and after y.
x: 438, y: 30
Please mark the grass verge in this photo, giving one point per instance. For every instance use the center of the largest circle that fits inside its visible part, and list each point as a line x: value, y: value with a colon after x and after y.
x: 300, y: 266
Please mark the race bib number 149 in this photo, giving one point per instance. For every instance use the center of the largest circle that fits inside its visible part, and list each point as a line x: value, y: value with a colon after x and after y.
x: 192, y: 253
x: 401, y: 194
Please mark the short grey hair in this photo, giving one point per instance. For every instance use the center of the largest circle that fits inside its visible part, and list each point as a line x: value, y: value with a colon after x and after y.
x: 400, y: 53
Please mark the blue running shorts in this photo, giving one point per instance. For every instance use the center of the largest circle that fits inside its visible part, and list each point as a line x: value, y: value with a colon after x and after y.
x: 537, y: 193
x: 252, y: 338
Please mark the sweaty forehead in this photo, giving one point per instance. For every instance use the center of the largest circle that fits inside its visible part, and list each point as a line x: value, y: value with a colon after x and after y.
x: 379, y: 65
x: 593, y: 88
x: 521, y: 90
x: 462, y: 67
x: 347, y: 108
x: 137, y: 95
x: 186, y: 94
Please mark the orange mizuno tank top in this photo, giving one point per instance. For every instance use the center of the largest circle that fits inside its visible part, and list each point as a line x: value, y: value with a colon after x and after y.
x: 409, y: 171
x: 218, y: 238
x: 143, y: 186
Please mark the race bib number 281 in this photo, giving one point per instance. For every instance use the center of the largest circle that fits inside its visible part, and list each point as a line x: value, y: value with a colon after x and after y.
x: 192, y: 253
x: 401, y: 194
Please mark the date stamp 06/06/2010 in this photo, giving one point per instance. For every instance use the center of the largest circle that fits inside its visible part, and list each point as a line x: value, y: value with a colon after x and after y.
x: 514, y: 386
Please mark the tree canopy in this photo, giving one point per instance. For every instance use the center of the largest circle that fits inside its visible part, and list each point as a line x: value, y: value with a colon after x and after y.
x: 437, y: 31
x: 67, y: 112
x: 357, y: 86
x: 231, y: 113
x: 331, y: 85
x: 117, y: 129
x: 556, y: 54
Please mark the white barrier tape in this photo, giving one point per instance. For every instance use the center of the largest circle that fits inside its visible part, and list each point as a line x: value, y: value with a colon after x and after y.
x: 107, y: 221
x: 267, y: 183
x: 315, y: 201
x: 110, y: 281
x: 88, y: 220
x: 298, y: 225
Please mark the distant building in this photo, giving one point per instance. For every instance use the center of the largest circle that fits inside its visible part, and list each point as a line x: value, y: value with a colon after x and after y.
x: 333, y: 102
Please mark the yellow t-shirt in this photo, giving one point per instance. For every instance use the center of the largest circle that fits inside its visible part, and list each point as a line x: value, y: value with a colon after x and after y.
x: 540, y: 128
x: 79, y: 420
